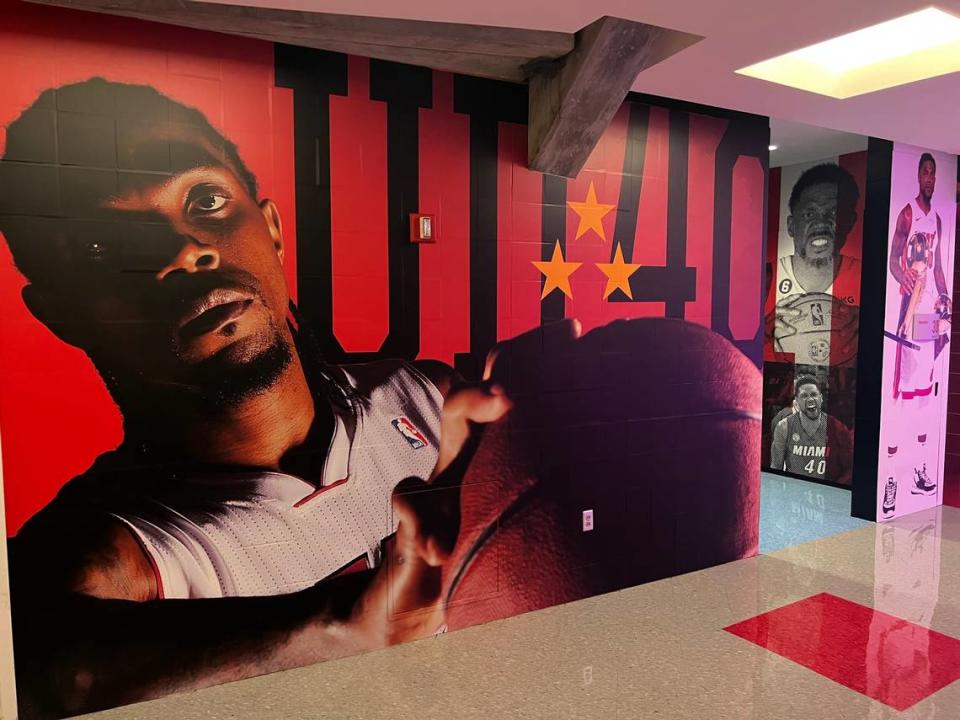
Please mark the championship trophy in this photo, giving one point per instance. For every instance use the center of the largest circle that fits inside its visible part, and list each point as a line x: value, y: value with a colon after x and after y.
x: 913, y: 326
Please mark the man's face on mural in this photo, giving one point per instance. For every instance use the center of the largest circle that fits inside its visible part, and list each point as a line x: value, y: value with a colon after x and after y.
x: 927, y: 178
x: 809, y: 400
x: 175, y: 280
x: 813, y: 224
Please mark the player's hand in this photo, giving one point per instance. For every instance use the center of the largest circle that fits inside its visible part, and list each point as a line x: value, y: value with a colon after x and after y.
x: 782, y: 315
x: 943, y: 327
x: 403, y: 601
x: 908, y: 280
x: 466, y: 405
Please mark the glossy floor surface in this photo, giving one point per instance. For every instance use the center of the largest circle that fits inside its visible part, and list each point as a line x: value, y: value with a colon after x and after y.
x: 794, y: 511
x: 672, y: 649
x: 846, y: 626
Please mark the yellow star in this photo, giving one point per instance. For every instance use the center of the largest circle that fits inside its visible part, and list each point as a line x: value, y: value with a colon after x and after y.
x: 591, y: 214
x: 557, y: 273
x: 618, y: 274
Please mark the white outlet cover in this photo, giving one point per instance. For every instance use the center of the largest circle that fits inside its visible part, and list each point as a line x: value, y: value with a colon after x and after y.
x: 587, y: 520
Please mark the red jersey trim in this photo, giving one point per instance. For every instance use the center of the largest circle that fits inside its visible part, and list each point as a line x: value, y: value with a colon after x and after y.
x: 319, y: 491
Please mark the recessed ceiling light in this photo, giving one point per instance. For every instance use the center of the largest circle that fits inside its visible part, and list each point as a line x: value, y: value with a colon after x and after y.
x: 771, y: 148
x: 914, y: 47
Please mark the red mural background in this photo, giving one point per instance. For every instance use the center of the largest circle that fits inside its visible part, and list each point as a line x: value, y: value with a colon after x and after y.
x: 55, y: 413
x: 650, y: 424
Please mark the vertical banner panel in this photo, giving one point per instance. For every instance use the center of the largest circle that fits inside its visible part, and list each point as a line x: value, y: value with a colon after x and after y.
x: 650, y: 237
x: 358, y: 159
x: 282, y: 189
x: 519, y: 197
x: 919, y: 284
x: 811, y: 317
x: 445, y: 191
x: 951, y: 461
x: 591, y: 214
x: 773, y: 231
x: 746, y: 243
x: 705, y: 135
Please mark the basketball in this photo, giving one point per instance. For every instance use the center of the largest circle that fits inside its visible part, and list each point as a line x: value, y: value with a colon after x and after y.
x: 827, y: 331
x: 651, y: 424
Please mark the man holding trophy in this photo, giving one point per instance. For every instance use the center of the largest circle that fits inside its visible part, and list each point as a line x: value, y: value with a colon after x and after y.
x: 922, y: 328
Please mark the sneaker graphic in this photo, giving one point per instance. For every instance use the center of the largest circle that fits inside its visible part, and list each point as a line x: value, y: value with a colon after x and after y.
x: 890, y: 497
x: 922, y: 484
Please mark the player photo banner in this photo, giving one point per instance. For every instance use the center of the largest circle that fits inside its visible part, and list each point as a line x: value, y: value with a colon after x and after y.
x: 812, y: 317
x: 248, y: 424
x: 916, y: 330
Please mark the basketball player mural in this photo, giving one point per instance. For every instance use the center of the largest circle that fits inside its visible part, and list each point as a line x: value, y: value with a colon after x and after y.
x: 171, y: 283
x: 267, y: 509
x: 807, y: 439
x: 818, y: 287
x: 923, y: 326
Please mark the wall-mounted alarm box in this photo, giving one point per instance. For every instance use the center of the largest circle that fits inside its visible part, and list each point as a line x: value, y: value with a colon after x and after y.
x: 423, y: 228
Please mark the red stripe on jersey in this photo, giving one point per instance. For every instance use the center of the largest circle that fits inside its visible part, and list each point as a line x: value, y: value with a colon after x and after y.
x: 318, y: 492
x: 355, y: 566
x: 896, y: 371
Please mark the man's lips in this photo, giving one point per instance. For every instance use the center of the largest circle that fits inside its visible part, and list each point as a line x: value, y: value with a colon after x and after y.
x: 212, y: 311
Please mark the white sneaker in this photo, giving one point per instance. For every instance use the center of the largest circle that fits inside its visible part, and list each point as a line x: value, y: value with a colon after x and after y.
x: 889, y: 497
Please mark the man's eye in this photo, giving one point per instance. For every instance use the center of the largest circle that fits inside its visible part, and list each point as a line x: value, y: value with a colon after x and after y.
x: 208, y: 203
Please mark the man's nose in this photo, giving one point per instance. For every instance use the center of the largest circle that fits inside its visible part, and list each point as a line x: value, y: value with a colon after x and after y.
x: 193, y: 256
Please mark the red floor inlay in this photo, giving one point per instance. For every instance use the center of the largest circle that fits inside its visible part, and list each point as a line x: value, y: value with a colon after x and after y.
x: 884, y: 657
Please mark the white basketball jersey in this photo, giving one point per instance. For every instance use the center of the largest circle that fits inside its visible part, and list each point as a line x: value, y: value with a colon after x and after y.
x: 925, y: 225
x: 268, y: 533
x: 789, y: 286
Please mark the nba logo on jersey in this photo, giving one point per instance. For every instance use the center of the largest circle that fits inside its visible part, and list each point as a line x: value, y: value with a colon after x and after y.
x: 410, y: 433
x: 816, y: 314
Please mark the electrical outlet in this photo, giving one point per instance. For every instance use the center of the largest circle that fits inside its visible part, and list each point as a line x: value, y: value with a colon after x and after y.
x: 588, y: 674
x: 587, y: 520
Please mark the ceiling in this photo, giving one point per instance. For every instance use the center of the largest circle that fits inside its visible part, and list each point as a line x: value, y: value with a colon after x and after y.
x: 801, y: 143
x: 737, y: 34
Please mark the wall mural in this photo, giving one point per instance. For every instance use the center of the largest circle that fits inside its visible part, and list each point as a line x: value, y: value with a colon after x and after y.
x: 917, y: 326
x: 812, y: 327
x: 234, y: 394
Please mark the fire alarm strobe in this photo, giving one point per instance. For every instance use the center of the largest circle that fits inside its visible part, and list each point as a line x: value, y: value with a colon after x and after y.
x: 423, y: 228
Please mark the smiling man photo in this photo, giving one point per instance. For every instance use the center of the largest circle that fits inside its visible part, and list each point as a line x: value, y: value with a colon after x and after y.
x: 823, y: 211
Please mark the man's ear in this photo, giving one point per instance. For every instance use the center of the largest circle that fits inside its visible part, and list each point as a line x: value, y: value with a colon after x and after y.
x: 790, y: 229
x: 51, y: 313
x: 274, y: 224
